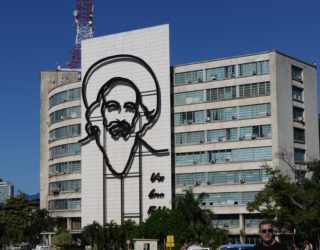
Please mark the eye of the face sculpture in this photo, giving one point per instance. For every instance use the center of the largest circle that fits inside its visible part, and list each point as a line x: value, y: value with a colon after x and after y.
x: 129, y: 107
x: 113, y: 106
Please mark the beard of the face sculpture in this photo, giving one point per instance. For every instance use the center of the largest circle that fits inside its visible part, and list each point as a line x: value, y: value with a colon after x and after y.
x: 119, y: 129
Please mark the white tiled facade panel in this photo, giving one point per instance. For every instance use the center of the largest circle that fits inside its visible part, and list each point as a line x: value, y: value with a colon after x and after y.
x: 151, y: 45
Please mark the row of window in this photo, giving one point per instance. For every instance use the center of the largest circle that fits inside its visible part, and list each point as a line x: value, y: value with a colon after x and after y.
x: 64, y: 132
x: 222, y: 177
x: 223, y: 114
x: 232, y: 220
x: 68, y: 167
x: 65, y: 114
x: 222, y: 93
x: 65, y: 204
x: 64, y: 186
x: 64, y: 96
x: 221, y: 73
x: 65, y: 149
x: 229, y: 198
x: 226, y: 134
x: 224, y: 156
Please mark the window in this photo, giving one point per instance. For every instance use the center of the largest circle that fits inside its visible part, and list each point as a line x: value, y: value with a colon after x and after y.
x: 65, y: 204
x: 222, y: 114
x: 188, y: 97
x: 65, y: 186
x: 220, y: 73
x: 299, y: 135
x: 228, y: 134
x: 190, y: 179
x: 226, y: 220
x: 255, y: 111
x: 190, y: 158
x: 189, y: 117
x: 64, y: 114
x: 188, y: 77
x: 225, y: 93
x: 254, y: 68
x: 300, y: 176
x: 64, y: 132
x: 76, y: 223
x: 190, y: 138
x: 66, y: 149
x: 254, y: 89
x: 298, y: 114
x: 231, y: 198
x: 296, y: 73
x: 65, y: 167
x: 299, y: 155
x: 297, y: 94
x: 253, y: 132
x: 68, y: 95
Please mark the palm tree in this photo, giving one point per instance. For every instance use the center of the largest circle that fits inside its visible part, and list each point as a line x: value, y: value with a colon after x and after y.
x: 93, y: 233
x: 200, y: 220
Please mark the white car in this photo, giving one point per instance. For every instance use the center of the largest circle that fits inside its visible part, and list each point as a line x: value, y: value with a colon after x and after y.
x: 42, y: 247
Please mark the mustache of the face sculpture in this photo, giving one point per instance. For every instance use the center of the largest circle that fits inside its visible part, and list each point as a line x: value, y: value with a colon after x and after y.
x: 119, y: 129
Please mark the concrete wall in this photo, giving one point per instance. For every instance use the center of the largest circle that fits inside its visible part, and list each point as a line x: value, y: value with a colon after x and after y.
x: 151, y: 45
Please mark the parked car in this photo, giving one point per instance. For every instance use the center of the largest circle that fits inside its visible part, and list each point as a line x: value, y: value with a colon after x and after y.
x: 42, y: 247
x: 236, y: 247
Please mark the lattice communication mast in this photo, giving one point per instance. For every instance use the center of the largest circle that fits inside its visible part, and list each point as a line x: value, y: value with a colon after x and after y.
x: 83, y: 20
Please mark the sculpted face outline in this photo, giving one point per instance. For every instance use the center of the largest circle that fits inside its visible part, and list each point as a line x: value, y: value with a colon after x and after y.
x: 151, y: 116
x: 120, y: 115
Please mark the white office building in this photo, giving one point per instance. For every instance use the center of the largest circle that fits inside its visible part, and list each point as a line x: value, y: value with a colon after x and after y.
x: 234, y: 115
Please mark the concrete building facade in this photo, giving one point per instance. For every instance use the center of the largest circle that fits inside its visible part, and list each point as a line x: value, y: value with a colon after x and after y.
x: 60, y: 152
x: 228, y: 118
x: 234, y: 115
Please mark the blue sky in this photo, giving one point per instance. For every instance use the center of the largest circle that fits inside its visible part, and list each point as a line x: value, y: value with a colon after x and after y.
x: 38, y: 35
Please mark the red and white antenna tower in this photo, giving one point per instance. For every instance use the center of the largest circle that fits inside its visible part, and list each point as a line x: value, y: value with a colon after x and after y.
x: 83, y: 20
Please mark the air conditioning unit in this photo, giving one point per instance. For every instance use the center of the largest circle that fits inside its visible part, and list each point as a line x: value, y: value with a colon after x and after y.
x: 77, y: 189
x: 254, y: 72
x: 228, y: 159
x: 208, y: 119
x: 62, y: 117
x: 268, y: 113
x: 195, y: 162
x: 242, y: 137
x: 300, y: 119
x: 189, y: 81
x: 221, y: 138
x: 197, y: 183
x: 214, y: 77
x: 201, y: 141
x: 226, y: 225
x: 212, y: 161
x: 211, y: 203
x: 204, y: 203
x: 254, y: 136
x: 242, y: 181
x: 234, y: 117
x: 189, y: 121
x: 199, y: 79
x: 235, y: 203
x: 233, y: 75
x: 209, y: 183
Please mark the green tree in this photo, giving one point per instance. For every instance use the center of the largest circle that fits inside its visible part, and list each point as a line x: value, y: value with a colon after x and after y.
x: 199, y: 220
x: 62, y: 239
x: 93, y: 234
x: 294, y: 206
x: 22, y: 220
